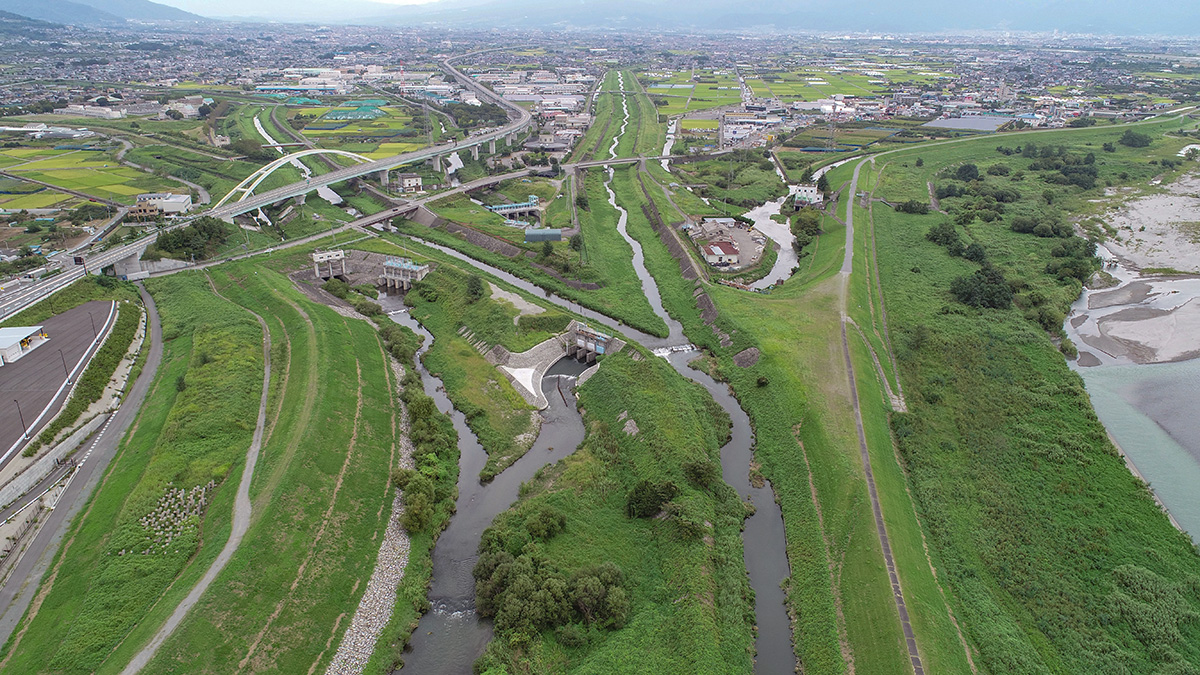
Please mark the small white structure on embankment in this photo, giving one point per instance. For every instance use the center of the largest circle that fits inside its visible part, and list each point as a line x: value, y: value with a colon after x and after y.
x: 17, y: 341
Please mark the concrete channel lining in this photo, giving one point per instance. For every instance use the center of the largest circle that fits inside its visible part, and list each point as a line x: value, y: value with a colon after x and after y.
x: 526, y: 369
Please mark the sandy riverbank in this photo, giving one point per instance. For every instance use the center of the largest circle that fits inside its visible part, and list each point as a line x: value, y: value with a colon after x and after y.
x: 1159, y: 230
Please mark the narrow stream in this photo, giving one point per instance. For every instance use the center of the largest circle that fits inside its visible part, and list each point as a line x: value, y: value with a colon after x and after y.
x: 671, y: 131
x: 780, y: 233
x: 450, y: 637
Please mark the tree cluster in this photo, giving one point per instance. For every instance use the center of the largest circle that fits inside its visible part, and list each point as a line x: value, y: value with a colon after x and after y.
x: 199, y: 240
x: 474, y: 116
x: 985, y: 288
x: 806, y: 225
x: 252, y: 149
x: 525, y: 592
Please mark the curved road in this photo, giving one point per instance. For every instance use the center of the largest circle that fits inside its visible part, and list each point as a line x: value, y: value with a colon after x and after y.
x: 18, y: 590
x: 241, y: 518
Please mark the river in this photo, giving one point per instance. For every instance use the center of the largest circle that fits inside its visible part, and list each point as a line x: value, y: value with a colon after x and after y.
x: 1148, y: 408
x: 450, y: 637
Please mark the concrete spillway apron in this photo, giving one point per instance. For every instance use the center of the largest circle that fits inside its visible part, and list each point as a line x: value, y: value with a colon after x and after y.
x: 910, y: 639
x: 241, y: 522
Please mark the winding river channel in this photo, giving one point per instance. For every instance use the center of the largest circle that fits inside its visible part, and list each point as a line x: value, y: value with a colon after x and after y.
x: 1148, y: 408
x: 450, y: 637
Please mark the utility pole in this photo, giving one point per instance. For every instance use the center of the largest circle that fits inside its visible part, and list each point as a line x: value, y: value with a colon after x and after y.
x: 24, y: 429
x: 65, y: 369
x: 95, y: 333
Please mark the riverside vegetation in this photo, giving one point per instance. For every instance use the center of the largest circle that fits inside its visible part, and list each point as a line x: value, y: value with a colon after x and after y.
x: 625, y: 556
x: 1058, y: 559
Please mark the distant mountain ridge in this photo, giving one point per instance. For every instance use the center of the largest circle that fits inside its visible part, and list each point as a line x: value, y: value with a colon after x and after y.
x: 83, y: 12
x: 1094, y: 16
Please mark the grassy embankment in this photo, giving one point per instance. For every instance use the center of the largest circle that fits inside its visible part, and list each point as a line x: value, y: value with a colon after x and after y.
x: 807, y: 447
x: 605, y: 114
x: 320, y: 494
x: 606, y: 261
x: 689, y: 606
x: 1057, y: 558
x: 192, y: 429
x: 494, y: 410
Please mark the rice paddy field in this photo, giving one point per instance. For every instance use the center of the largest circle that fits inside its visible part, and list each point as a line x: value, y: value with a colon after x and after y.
x: 689, y: 91
x: 396, y: 131
x: 96, y: 173
x: 861, y: 80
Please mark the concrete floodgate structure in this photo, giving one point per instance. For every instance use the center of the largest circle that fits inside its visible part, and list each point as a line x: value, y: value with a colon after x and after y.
x: 526, y: 369
x: 402, y: 273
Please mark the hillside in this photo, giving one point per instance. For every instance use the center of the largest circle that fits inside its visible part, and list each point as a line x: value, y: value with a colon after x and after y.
x: 95, y: 11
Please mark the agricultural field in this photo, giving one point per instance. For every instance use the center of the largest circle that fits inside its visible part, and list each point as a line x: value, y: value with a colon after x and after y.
x: 689, y: 91
x: 96, y: 173
x: 396, y: 130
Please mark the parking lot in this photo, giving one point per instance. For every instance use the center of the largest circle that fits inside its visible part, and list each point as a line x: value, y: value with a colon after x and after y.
x: 35, y: 381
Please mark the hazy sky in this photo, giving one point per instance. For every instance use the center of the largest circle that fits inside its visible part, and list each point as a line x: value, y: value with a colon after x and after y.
x: 280, y: 8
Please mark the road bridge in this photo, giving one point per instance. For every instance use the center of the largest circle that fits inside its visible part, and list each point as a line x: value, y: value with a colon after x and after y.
x: 521, y: 120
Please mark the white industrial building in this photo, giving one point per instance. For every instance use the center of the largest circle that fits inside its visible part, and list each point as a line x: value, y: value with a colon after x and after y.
x: 167, y: 202
x: 720, y: 253
x: 90, y: 111
x: 807, y: 194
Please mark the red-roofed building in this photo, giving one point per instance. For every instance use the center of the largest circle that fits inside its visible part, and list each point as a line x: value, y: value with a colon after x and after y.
x: 720, y: 253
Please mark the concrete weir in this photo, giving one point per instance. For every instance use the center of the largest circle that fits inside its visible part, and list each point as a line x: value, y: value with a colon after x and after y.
x: 526, y: 369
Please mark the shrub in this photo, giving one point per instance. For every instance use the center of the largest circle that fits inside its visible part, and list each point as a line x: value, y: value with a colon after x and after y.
x: 1134, y: 139
x: 701, y: 474
x: 943, y: 234
x: 984, y: 288
x: 975, y: 253
x: 337, y: 288
x: 646, y: 499
x: 967, y: 172
x: 913, y: 206
x: 545, y: 522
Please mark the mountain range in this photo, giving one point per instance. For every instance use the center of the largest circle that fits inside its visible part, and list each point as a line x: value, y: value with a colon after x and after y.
x: 85, y: 12
x: 1092, y: 16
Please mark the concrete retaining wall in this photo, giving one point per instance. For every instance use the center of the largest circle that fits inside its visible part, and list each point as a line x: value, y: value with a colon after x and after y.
x: 540, y: 358
x: 43, y: 467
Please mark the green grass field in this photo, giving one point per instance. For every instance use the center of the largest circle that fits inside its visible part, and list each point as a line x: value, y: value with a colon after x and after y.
x: 1034, y: 459
x: 105, y: 583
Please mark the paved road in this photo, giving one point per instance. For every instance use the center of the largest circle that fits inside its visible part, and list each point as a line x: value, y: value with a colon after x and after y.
x: 241, y: 521
x: 17, y: 592
x: 38, y: 379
